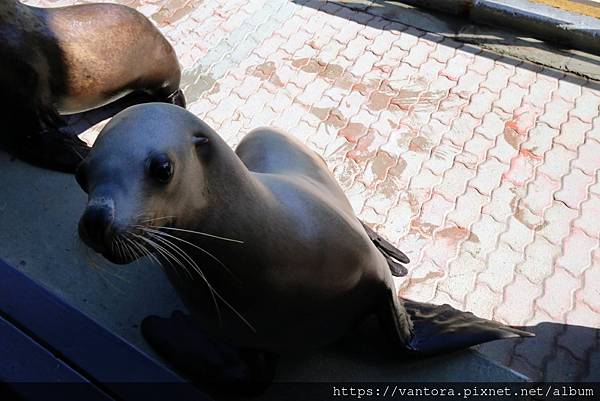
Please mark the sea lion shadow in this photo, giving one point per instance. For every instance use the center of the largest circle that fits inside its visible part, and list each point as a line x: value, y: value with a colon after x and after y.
x: 558, y: 352
x: 365, y: 355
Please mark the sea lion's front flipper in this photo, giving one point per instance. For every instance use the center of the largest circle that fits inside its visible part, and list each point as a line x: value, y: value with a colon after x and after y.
x: 218, y: 367
x: 49, y: 118
x: 438, y: 329
x: 392, y: 254
x: 177, y: 98
x: 52, y: 149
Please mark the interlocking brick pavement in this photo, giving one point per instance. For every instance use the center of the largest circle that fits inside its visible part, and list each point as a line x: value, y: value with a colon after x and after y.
x: 485, y: 170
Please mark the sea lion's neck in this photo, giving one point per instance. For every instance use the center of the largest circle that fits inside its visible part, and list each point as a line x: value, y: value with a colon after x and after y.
x: 234, y: 205
x: 238, y: 202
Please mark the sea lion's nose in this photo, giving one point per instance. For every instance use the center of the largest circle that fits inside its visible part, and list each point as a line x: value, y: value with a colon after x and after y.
x: 95, y: 226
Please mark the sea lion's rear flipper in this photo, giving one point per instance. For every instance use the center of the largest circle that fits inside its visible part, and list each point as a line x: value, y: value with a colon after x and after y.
x: 438, y: 329
x: 392, y: 254
x: 424, y: 329
x: 217, y: 367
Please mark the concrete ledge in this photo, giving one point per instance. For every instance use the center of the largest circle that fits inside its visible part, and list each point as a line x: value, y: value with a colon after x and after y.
x: 541, y: 21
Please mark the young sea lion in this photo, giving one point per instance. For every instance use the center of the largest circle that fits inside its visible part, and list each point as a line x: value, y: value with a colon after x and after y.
x: 71, y: 59
x: 261, y: 244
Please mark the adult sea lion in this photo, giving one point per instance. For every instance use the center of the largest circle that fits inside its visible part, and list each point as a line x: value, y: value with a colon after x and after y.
x: 261, y: 244
x: 72, y: 59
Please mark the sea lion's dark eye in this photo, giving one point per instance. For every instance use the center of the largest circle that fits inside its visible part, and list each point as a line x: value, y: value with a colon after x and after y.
x: 161, y: 169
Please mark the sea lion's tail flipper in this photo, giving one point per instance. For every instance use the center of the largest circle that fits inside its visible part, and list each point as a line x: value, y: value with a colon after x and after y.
x: 441, y: 328
x: 392, y: 254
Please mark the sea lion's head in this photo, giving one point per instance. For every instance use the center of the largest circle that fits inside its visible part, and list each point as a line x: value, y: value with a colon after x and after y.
x: 144, y: 173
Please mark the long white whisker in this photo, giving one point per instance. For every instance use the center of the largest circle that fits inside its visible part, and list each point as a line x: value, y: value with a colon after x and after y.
x: 144, y: 250
x: 168, y: 257
x: 195, y: 266
x: 236, y: 312
x: 214, y: 291
x: 160, y: 233
x: 165, y: 253
x: 157, y: 219
x: 95, y: 264
x: 178, y: 251
x: 121, y: 246
x: 199, y: 233
x: 127, y: 251
x: 135, y: 253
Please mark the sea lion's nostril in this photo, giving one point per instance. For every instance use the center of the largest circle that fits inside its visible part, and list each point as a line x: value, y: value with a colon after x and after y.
x: 96, y: 225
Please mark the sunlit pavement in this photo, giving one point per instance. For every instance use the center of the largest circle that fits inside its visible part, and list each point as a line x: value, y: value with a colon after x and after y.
x: 482, y: 168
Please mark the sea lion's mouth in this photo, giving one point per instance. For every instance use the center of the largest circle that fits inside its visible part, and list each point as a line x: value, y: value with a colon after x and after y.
x: 116, y: 252
x: 126, y: 244
x: 120, y: 248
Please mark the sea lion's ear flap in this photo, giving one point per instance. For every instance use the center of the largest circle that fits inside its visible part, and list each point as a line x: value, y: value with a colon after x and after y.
x: 199, y: 140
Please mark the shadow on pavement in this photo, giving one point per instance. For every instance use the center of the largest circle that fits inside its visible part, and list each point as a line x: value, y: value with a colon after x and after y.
x: 458, y: 33
x: 558, y: 352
